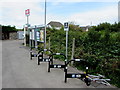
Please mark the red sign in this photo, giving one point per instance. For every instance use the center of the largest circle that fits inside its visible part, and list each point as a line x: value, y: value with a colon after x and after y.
x: 27, y: 12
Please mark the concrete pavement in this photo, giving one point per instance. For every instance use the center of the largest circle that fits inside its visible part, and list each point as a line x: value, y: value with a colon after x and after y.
x: 18, y: 71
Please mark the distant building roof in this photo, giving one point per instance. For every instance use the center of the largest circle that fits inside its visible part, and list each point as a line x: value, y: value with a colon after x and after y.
x: 85, y: 28
x: 55, y: 24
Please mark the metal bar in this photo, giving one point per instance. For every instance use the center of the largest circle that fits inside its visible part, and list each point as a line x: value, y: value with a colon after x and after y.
x: 45, y: 28
x: 27, y: 20
x: 25, y: 35
x: 49, y: 43
x: 66, y: 44
x: 35, y: 37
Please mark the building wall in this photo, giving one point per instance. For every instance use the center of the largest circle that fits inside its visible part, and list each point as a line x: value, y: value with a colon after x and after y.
x: 119, y: 11
x: 13, y: 35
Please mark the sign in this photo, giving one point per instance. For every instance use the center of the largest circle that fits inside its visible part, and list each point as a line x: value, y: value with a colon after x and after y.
x: 38, y: 36
x: 41, y: 36
x: 66, y: 26
x: 30, y: 35
x: 33, y: 34
x: 27, y: 12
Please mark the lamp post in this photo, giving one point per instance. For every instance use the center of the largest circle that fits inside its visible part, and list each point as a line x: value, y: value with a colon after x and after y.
x: 45, y: 28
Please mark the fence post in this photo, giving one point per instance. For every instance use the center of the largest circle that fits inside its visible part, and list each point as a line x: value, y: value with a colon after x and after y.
x: 49, y: 43
x: 73, y: 50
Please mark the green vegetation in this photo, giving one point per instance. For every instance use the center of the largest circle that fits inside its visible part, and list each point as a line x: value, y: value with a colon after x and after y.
x: 100, y: 47
x: 8, y: 28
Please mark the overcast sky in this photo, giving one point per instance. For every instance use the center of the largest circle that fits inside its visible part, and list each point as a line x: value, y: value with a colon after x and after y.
x: 82, y: 12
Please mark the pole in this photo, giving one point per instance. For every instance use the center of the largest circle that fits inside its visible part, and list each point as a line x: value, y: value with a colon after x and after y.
x: 28, y: 30
x: 31, y: 39
x: 24, y: 35
x: 73, y: 49
x: 27, y: 20
x: 66, y: 44
x: 36, y: 37
x: 49, y: 43
x: 45, y: 28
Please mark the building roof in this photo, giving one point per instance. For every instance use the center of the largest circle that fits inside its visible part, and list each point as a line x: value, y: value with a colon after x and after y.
x: 55, y: 24
x: 84, y: 28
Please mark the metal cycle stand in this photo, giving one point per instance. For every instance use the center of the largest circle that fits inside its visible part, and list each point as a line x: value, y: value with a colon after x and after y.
x: 82, y: 76
x: 40, y: 57
x: 32, y: 54
x: 51, y: 65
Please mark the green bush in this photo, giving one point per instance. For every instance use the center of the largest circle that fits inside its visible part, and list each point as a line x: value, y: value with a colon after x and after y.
x: 100, y: 47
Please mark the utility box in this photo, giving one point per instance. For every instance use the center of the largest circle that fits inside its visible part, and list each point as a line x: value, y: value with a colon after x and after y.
x: 20, y: 35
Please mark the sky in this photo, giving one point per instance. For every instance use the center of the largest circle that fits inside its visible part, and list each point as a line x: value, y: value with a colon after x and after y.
x: 81, y: 12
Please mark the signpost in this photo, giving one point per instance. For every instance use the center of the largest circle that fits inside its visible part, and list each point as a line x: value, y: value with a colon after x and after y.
x: 66, y: 28
x: 27, y: 13
x: 25, y: 28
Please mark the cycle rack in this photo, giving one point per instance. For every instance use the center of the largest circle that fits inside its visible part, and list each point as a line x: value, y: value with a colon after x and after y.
x: 32, y: 54
x: 100, y: 79
x: 40, y: 57
x: 51, y: 65
x: 82, y: 76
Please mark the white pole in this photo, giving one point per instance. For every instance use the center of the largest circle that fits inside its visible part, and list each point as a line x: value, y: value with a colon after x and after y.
x: 35, y: 37
x: 66, y: 44
x: 45, y: 28
x: 27, y: 20
x: 24, y: 35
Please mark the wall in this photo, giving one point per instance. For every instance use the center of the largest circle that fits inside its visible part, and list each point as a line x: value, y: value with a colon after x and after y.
x: 13, y: 36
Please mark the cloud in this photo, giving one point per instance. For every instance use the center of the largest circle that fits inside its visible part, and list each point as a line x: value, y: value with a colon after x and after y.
x: 106, y: 14
x: 13, y: 13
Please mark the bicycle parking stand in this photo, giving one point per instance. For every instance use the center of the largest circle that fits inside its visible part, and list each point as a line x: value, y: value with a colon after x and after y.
x: 41, y: 58
x: 32, y: 54
x: 51, y: 65
x: 82, y: 76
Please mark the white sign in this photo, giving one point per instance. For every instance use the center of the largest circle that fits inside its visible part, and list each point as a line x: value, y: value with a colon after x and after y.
x: 38, y: 36
x: 66, y: 26
x: 30, y: 35
x: 33, y: 34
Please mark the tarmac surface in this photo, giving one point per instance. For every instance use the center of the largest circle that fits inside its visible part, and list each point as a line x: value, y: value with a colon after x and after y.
x: 18, y: 71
